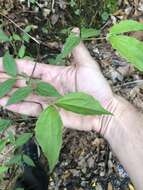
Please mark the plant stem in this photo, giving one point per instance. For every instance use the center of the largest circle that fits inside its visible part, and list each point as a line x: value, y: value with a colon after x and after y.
x: 35, y: 64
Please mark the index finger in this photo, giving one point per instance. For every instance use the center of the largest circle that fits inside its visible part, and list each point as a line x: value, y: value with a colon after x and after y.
x: 27, y: 66
x: 55, y: 75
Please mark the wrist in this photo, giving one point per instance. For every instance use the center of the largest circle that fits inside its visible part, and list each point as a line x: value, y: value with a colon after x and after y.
x: 124, y: 133
x: 108, y: 123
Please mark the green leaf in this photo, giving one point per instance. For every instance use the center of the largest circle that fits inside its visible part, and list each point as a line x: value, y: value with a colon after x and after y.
x: 49, y: 134
x: 28, y: 28
x: 66, y: 30
x: 3, y: 169
x: 19, y: 188
x: 28, y: 160
x: 11, y: 137
x: 21, y: 52
x: 3, y: 37
x: 59, y: 58
x: 46, y: 89
x: 129, y: 48
x: 81, y: 103
x: 22, y: 139
x: 77, y: 12
x: 51, y: 61
x: 6, y: 86
x: 71, y: 42
x: 16, y: 37
x: 9, y: 64
x: 88, y: 33
x: 26, y: 37
x: 105, y: 16
x: 32, y: 1
x: 19, y: 95
x: 4, y: 124
x: 2, y: 144
x: 126, y: 26
x: 16, y: 159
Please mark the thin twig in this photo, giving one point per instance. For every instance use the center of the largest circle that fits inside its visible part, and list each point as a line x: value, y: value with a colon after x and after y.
x: 129, y: 83
x: 35, y: 64
x: 41, y: 106
x: 35, y: 40
x: 53, y: 3
x: 102, y: 28
x: 102, y: 38
x: 21, y: 119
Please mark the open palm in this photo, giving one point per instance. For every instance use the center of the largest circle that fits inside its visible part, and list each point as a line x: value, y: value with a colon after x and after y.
x: 83, y: 75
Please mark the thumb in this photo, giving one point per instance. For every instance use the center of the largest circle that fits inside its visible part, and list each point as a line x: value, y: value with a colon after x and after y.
x: 81, y: 55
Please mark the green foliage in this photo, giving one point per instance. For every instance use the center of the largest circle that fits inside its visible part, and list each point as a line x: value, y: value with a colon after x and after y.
x: 16, y: 37
x: 6, y: 86
x: 19, y: 159
x: 49, y: 134
x: 2, y: 144
x: 26, y: 36
x: 126, y: 26
x: 19, y: 95
x: 3, y: 37
x: 4, y: 124
x: 71, y: 42
x: 81, y: 103
x: 22, y: 139
x: 45, y: 89
x: 9, y: 64
x: 88, y: 33
x: 91, y: 12
x: 72, y: 3
x: 105, y: 16
x: 32, y: 1
x: 28, y: 160
x: 110, y: 6
x: 3, y: 169
x: 48, y: 131
x: 21, y: 51
x: 49, y: 125
x: 49, y: 120
x: 128, y: 47
x: 15, y: 159
x: 11, y: 137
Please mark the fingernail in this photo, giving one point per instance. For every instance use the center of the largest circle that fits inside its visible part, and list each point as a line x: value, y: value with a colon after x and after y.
x: 76, y: 31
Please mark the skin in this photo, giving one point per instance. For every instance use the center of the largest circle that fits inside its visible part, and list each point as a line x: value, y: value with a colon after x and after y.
x: 123, y: 130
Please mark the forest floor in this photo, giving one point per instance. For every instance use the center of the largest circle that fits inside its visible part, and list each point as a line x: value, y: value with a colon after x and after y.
x: 86, y: 160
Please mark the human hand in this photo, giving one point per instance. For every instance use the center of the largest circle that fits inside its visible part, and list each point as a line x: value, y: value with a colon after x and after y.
x: 83, y: 75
